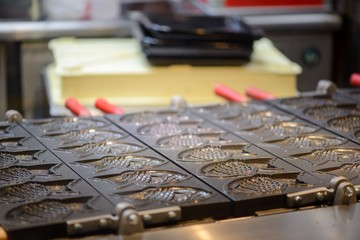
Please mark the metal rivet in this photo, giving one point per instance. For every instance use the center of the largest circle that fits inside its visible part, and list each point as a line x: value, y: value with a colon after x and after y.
x: 349, y: 191
x: 133, y: 219
x: 103, y: 223
x: 147, y: 218
x: 172, y: 215
x: 320, y: 197
x: 298, y: 200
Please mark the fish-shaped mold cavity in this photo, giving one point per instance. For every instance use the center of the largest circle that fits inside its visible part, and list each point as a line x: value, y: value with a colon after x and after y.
x: 8, y: 159
x: 235, y: 168
x: 233, y: 109
x: 18, y: 174
x: 284, y: 129
x: 123, y: 162
x: 144, y: 178
x: 264, y: 185
x: 31, y: 191
x: 87, y: 135
x: 329, y: 111
x: 350, y: 171
x: 307, y: 101
x: 215, y: 153
x: 149, y: 117
x: 190, y: 140
x: 168, y: 195
x: 169, y: 128
x: 249, y: 120
x: 322, y: 156
x: 310, y: 141
x: 68, y: 124
x: 103, y: 148
x: 47, y: 211
x: 345, y: 123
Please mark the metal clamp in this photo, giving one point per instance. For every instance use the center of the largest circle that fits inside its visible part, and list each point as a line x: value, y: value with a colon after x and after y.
x: 339, y: 192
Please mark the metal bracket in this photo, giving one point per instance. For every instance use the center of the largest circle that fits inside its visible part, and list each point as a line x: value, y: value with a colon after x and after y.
x: 126, y: 221
x: 339, y: 192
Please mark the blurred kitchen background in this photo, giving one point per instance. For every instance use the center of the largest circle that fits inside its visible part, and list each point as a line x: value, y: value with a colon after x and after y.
x: 321, y: 36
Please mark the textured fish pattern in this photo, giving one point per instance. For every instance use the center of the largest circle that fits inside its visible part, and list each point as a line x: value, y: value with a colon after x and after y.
x: 125, y: 162
x: 214, y: 153
x: 346, y: 124
x: 350, y: 171
x: 14, y: 175
x: 68, y: 124
x: 322, y: 156
x: 103, y: 148
x: 150, y: 117
x: 258, y: 118
x: 325, y: 112
x: 228, y: 110
x: 161, y: 129
x: 31, y: 191
x: 9, y: 159
x: 88, y: 135
x: 210, y: 153
x: 259, y: 185
x: 284, y: 129
x: 146, y: 177
x: 44, y: 211
x: 170, y: 195
x: 308, y: 142
x: 230, y: 168
x: 302, y: 102
x: 188, y: 140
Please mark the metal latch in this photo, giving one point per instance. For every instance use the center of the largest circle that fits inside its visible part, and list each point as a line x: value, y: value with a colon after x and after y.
x: 126, y: 221
x: 340, y: 192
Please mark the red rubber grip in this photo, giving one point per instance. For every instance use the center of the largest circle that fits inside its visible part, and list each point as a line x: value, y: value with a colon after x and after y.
x: 107, y: 107
x: 76, y: 108
x: 258, y: 94
x: 355, y: 79
x: 228, y: 93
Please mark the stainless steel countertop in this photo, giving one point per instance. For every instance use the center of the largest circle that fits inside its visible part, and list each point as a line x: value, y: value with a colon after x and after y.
x: 35, y: 30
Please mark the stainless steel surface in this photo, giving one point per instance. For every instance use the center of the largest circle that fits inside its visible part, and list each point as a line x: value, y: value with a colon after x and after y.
x: 3, y: 95
x: 311, y: 21
x: 338, y: 222
x: 34, y: 56
x: 31, y: 30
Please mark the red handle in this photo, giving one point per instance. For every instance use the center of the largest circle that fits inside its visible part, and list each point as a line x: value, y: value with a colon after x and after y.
x: 107, y: 107
x: 76, y: 108
x: 228, y: 93
x: 355, y: 79
x: 258, y: 94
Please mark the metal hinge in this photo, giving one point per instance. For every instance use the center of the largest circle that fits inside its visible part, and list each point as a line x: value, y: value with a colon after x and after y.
x: 126, y: 221
x: 340, y: 192
x: 13, y: 116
